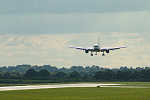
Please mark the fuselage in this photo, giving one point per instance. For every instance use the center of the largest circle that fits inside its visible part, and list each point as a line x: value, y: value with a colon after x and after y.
x: 96, y: 48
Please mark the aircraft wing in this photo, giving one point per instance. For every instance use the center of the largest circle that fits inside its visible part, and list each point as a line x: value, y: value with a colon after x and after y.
x: 81, y: 48
x: 112, y: 48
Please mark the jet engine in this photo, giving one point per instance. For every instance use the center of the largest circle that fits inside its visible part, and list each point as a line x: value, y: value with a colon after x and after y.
x: 107, y: 51
x: 86, y: 51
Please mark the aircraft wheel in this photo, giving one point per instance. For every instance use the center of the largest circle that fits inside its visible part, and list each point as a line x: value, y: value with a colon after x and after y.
x: 103, y: 54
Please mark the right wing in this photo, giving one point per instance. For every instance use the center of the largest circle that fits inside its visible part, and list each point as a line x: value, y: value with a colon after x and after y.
x: 81, y: 48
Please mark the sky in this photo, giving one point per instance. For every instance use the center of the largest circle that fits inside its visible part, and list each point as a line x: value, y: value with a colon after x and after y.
x: 39, y: 32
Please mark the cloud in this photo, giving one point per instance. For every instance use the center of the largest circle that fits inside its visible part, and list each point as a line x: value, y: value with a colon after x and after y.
x: 41, y: 40
x: 33, y: 49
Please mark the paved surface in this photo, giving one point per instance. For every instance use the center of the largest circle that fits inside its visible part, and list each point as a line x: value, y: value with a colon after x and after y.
x: 8, y: 88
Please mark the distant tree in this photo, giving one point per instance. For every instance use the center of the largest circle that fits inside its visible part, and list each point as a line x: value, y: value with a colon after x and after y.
x: 0, y: 74
x: 63, y: 69
x: 147, y: 68
x: 44, y: 73
x: 108, y: 74
x: 145, y: 75
x: 118, y: 75
x: 60, y: 74
x: 99, y: 75
x: 104, y: 75
x: 31, y: 73
x: 134, y: 76
x: 74, y: 74
x: 7, y: 75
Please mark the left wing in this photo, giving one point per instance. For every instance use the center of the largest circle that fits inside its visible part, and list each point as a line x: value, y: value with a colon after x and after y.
x: 113, y: 48
x: 81, y: 48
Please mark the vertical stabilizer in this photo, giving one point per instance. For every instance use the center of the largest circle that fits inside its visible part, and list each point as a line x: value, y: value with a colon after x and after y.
x: 99, y: 41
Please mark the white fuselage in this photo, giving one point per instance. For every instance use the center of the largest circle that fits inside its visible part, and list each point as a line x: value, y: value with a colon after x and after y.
x: 96, y: 48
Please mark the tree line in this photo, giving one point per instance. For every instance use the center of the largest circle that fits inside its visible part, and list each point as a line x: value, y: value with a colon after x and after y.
x: 23, y: 68
x: 49, y: 74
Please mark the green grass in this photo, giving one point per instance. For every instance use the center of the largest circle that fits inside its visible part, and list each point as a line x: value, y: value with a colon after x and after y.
x: 78, y: 94
x: 82, y: 93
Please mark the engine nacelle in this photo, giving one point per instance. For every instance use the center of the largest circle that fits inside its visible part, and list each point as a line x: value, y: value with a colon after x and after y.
x: 86, y: 51
x: 107, y: 51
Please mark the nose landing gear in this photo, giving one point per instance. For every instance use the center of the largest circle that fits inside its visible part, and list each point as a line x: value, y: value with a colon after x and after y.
x: 96, y: 53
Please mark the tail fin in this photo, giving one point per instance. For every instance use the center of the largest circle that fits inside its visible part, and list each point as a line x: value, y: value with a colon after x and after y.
x: 99, y: 40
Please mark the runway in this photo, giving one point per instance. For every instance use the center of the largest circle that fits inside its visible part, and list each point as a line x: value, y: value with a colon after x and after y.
x: 8, y: 88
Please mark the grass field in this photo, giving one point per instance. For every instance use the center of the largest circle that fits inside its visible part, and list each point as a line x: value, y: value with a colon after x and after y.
x: 102, y: 93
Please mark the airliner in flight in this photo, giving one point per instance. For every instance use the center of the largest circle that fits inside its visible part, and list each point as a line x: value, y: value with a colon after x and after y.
x: 96, y: 48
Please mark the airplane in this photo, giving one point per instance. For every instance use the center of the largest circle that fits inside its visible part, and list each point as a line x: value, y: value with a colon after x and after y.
x: 96, y: 48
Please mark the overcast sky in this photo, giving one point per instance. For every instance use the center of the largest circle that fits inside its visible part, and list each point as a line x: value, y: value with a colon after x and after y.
x: 39, y: 32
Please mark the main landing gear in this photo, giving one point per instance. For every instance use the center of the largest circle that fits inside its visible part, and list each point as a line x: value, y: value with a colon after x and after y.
x: 96, y: 54
x: 91, y: 53
x: 103, y: 54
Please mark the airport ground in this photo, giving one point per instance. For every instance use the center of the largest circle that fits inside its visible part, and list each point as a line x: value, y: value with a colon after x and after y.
x: 128, y: 91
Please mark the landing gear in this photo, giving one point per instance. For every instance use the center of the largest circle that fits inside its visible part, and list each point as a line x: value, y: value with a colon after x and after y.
x: 96, y: 53
x: 91, y: 53
x: 103, y: 54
